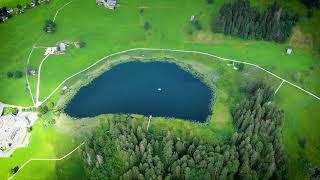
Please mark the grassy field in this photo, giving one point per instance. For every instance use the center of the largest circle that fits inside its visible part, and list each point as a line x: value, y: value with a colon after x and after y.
x: 301, y: 130
x: 13, y: 3
x: 106, y: 32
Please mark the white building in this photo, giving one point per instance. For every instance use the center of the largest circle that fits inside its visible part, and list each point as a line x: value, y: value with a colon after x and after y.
x: 289, y: 51
x: 62, y: 47
x: 14, y: 131
x: 111, y: 4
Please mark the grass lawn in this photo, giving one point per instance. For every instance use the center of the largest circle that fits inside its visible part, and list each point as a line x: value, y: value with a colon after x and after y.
x: 106, y: 32
x: 13, y: 3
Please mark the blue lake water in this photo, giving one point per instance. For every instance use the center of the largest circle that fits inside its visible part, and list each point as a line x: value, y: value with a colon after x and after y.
x: 152, y: 88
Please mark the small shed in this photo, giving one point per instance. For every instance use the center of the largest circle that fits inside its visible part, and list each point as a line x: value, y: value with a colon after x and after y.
x: 31, y: 72
x: 111, y: 4
x: 64, y: 88
x: 289, y: 51
x: 192, y: 18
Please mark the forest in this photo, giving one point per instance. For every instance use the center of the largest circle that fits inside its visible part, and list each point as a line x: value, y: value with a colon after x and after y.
x: 122, y: 149
x: 241, y: 20
x: 311, y: 3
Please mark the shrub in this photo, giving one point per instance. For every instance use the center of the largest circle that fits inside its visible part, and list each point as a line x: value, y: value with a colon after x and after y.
x: 43, y: 109
x: 29, y: 129
x: 146, y: 26
x: 14, y: 170
x: 18, y: 74
x: 240, y: 66
x: 10, y: 110
x: 9, y: 74
x: 49, y: 26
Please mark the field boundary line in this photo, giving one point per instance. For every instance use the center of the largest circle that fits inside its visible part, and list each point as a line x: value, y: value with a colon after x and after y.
x: 26, y: 72
x: 55, y: 16
x: 39, y: 78
x: 44, y: 159
x: 279, y: 87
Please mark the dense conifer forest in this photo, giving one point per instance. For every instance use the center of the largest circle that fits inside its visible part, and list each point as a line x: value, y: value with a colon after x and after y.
x: 127, y: 151
x: 246, y: 22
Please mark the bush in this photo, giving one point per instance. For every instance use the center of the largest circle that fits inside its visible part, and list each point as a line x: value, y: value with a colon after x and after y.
x: 9, y: 74
x: 196, y: 24
x: 49, y: 26
x: 147, y: 26
x: 29, y: 129
x: 210, y: 1
x: 43, y: 109
x: 240, y: 66
x: 10, y: 110
x: 14, y: 170
x: 18, y: 74
x: 141, y: 11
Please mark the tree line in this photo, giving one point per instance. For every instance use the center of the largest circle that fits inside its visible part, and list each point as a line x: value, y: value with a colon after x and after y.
x: 246, y: 22
x: 4, y: 14
x: 124, y: 150
x: 311, y: 3
x: 8, y: 12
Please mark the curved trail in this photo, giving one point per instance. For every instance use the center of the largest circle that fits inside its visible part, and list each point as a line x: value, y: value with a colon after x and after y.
x: 38, y: 81
x: 26, y: 72
x: 181, y: 51
x: 55, y: 16
x: 44, y: 159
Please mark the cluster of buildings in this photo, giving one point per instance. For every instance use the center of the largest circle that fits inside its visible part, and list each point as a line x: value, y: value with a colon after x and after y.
x: 15, y: 131
x: 5, y: 13
x: 110, y: 4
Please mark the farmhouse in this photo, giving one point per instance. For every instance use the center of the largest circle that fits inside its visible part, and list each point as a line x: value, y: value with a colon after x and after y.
x: 62, y: 47
x: 111, y: 4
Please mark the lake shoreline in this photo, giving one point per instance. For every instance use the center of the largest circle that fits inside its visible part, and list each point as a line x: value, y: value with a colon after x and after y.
x: 89, y: 77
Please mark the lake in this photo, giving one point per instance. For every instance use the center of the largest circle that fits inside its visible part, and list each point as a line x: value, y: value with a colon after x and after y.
x: 148, y: 88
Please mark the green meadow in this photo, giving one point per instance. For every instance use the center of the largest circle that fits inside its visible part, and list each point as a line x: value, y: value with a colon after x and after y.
x: 106, y: 32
